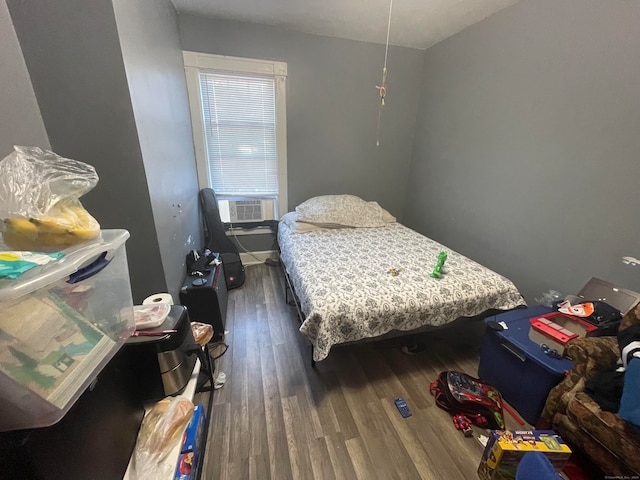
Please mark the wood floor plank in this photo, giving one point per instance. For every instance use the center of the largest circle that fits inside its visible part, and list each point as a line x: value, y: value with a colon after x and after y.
x: 216, y: 461
x: 281, y: 316
x: 454, y: 441
x: 255, y: 399
x: 259, y: 468
x: 240, y: 381
x: 319, y: 397
x: 380, y: 374
x: 279, y: 462
x: 339, y: 455
x: 310, y: 411
x: 389, y: 457
x: 225, y: 363
x: 288, y: 366
x: 413, y: 374
x: 416, y: 452
x: 297, y: 439
x: 361, y: 460
x: 321, y: 460
x: 238, y: 469
x: 345, y: 423
x: 438, y: 454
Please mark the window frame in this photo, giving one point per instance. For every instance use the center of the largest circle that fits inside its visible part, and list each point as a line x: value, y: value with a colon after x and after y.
x: 194, y: 63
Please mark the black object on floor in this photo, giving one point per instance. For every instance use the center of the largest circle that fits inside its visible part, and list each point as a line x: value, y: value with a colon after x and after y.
x: 413, y: 348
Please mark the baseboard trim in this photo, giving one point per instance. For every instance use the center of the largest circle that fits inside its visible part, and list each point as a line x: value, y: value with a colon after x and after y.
x: 255, y: 258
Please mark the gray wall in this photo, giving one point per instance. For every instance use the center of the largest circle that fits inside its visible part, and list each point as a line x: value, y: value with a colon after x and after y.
x: 526, y: 153
x: 152, y: 56
x: 73, y: 53
x: 332, y: 107
x: 21, y: 120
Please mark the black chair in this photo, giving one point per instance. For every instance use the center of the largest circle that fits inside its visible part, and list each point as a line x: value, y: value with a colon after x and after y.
x: 216, y: 240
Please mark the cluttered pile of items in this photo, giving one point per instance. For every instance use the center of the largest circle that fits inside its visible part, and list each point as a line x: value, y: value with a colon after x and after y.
x: 524, y: 356
x: 78, y: 361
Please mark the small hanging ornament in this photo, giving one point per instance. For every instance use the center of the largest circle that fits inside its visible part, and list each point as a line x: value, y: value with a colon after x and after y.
x: 382, y: 88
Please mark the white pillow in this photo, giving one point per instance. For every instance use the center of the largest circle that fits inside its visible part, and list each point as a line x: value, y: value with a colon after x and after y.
x: 341, y: 211
x: 289, y: 219
x: 386, y: 216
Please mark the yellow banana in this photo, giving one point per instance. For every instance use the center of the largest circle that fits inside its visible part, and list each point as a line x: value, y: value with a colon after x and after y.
x: 22, y: 225
x: 50, y: 224
x: 84, y: 234
x: 86, y: 227
x: 16, y: 241
x: 57, y: 239
x: 70, y: 225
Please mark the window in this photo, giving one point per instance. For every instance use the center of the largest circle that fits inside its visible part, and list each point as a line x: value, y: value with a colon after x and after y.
x: 238, y: 114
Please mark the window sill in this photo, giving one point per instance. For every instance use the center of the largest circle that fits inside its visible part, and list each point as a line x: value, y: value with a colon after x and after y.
x: 262, y: 230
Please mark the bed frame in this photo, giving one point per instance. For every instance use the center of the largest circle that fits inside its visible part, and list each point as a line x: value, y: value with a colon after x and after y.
x: 294, y: 302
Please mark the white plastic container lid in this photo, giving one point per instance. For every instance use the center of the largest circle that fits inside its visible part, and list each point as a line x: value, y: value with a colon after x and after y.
x: 75, y: 258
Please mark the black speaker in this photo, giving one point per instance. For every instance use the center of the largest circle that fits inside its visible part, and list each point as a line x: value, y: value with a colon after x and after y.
x: 233, y: 270
x: 206, y: 299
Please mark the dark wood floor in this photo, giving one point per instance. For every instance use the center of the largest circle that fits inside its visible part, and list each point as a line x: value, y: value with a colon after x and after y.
x: 278, y: 418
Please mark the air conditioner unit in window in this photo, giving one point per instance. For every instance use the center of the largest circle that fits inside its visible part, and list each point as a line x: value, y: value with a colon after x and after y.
x: 253, y: 210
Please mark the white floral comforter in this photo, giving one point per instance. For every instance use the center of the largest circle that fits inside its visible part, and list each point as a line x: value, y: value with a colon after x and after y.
x: 342, y: 279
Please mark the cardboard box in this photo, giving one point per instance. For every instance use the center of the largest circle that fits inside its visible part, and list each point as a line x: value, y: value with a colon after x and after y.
x: 189, y: 458
x: 193, y: 433
x: 187, y: 464
x: 505, y: 449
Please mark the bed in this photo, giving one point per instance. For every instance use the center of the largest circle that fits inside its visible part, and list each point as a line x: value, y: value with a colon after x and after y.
x: 358, y: 274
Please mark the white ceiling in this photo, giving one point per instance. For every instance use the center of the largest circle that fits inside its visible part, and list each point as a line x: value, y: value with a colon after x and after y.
x: 414, y: 23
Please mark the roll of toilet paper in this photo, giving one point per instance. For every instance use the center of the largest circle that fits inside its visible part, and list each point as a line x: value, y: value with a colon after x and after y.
x: 158, y: 298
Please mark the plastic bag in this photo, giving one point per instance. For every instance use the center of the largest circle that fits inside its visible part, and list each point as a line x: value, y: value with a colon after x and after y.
x: 39, y: 204
x: 202, y: 333
x: 549, y: 298
x: 14, y: 264
x: 161, y: 428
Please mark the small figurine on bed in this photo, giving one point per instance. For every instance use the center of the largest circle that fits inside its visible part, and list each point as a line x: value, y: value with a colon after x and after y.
x: 442, y: 257
x: 395, y: 271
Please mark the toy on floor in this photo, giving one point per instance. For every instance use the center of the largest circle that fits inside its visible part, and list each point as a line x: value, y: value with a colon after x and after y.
x: 463, y: 424
x: 442, y: 257
x: 395, y: 271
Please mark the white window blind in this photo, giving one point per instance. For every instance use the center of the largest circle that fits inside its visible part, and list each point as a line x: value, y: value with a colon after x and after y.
x: 239, y: 116
x: 239, y: 121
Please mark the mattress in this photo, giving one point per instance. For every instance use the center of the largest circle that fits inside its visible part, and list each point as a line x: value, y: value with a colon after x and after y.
x: 359, y: 283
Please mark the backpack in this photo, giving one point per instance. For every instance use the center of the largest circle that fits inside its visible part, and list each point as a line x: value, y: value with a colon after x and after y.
x: 461, y: 394
x: 199, y: 261
x: 606, y: 318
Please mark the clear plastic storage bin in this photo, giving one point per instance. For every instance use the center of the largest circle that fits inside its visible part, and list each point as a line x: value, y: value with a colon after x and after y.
x: 60, y: 324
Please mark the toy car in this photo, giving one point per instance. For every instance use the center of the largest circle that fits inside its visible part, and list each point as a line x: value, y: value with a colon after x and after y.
x: 463, y: 424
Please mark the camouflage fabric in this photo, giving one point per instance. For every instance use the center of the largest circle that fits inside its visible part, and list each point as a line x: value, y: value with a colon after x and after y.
x: 610, y: 462
x: 612, y: 443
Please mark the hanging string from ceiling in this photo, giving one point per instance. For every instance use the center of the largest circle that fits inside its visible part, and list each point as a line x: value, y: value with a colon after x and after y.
x: 382, y: 88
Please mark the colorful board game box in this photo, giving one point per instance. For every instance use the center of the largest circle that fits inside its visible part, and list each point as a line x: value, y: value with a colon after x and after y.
x: 505, y: 449
x: 193, y: 432
x: 191, y: 446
